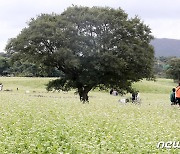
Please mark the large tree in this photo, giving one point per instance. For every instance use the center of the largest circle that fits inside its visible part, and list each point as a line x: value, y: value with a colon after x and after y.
x: 93, y: 47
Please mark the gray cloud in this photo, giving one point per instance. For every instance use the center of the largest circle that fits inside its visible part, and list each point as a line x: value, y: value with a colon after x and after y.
x: 153, y: 8
x: 162, y: 16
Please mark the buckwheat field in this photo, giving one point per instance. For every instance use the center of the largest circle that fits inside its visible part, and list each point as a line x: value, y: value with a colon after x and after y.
x: 33, y: 120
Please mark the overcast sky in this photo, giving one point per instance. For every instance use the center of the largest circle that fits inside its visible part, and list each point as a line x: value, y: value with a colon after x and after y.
x: 162, y: 16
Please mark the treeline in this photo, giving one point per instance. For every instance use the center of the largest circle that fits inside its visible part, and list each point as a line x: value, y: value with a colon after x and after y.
x: 167, y: 67
x: 164, y: 67
x: 12, y: 65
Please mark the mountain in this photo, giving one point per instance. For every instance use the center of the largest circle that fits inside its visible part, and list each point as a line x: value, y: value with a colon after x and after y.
x: 166, y: 47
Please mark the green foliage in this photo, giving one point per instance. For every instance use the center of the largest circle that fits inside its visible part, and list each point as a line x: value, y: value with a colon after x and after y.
x: 174, y: 69
x: 161, y: 65
x: 93, y: 47
x: 24, y: 68
x: 28, y: 69
x: 15, y: 65
x: 4, y: 66
x: 59, y: 84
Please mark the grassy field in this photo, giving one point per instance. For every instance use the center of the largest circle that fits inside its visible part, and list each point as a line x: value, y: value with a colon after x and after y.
x: 41, y: 122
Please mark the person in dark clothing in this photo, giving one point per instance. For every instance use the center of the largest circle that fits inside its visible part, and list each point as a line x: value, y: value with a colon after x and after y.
x: 134, y: 96
x: 173, y: 97
x: 111, y: 91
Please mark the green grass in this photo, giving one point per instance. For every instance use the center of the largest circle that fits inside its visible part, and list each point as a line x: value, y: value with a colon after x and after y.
x: 160, y: 86
x: 22, y: 83
x: 41, y: 122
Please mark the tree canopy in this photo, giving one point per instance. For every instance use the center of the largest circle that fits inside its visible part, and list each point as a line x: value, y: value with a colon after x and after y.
x: 92, y: 47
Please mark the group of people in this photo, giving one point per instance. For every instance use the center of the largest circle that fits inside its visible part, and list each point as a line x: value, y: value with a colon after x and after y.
x: 175, y: 96
x: 134, y: 96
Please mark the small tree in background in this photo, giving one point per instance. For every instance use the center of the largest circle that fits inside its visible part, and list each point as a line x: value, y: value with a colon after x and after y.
x: 93, y: 47
x: 173, y: 70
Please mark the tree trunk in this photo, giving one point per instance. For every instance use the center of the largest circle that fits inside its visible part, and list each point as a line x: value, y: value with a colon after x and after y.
x: 84, y: 97
x: 83, y: 94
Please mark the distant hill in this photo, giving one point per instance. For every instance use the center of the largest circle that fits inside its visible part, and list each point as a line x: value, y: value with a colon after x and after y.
x: 166, y: 47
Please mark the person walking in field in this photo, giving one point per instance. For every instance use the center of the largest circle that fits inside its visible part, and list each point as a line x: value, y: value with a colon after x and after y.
x: 178, y: 94
x: 173, y: 97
